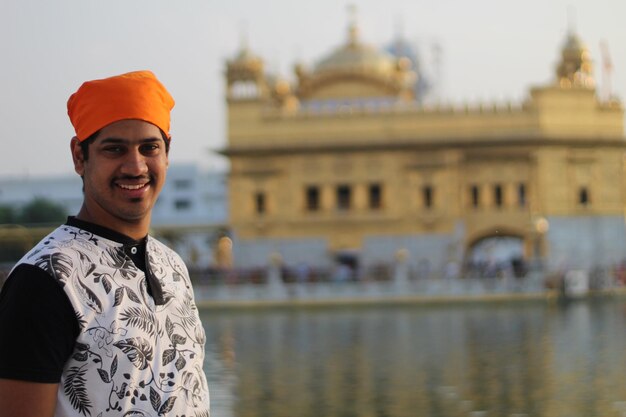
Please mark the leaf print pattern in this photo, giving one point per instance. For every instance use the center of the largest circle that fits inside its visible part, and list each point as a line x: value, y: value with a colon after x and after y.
x: 155, y: 400
x: 138, y: 351
x: 142, y: 318
x: 89, y: 298
x: 180, y: 363
x: 178, y: 268
x: 85, y: 263
x: 74, y: 388
x: 192, y: 387
x: 168, y: 356
x: 167, y: 297
x: 119, y: 295
x: 117, y: 259
x: 106, y: 376
x: 105, y: 279
x: 59, y: 265
x: 200, y: 335
x: 176, y: 339
x: 132, y: 295
x: 169, y: 326
x: 186, y: 315
x: 82, y: 323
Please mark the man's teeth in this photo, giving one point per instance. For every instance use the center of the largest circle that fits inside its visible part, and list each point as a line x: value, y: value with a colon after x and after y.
x: 131, y: 187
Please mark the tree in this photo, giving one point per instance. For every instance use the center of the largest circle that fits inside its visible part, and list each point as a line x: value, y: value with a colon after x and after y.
x: 40, y: 210
x: 7, y: 215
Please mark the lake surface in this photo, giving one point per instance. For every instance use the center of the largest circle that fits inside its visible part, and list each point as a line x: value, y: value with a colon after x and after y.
x: 498, y: 360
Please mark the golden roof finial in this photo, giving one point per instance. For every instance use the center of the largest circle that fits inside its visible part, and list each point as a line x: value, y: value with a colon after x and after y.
x: 353, y: 29
x: 244, y: 47
x: 571, y: 20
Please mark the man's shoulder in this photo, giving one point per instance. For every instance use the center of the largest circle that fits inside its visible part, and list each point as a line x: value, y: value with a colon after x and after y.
x: 156, y: 244
x: 61, y: 246
x: 62, y: 238
x: 52, y: 242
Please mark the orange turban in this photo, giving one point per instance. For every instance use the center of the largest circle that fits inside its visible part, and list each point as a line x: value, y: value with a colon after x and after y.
x: 135, y: 95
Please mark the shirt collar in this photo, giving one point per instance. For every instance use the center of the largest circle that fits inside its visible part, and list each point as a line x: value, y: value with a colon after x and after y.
x: 104, y: 232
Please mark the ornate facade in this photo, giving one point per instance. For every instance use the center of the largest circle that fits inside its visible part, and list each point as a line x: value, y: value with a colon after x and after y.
x: 346, y: 163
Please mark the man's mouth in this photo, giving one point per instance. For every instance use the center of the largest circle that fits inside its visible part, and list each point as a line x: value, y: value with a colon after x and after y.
x: 132, y: 186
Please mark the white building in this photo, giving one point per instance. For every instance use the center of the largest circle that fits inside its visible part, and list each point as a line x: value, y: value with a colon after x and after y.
x: 191, y: 197
x: 63, y: 190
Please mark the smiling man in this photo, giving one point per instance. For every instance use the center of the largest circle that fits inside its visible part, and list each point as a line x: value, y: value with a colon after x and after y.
x: 98, y: 319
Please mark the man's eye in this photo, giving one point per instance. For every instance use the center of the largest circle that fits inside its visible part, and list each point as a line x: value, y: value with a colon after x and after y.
x: 150, y: 148
x: 113, y: 149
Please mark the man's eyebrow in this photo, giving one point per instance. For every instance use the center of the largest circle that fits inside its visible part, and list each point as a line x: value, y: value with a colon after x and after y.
x: 113, y: 140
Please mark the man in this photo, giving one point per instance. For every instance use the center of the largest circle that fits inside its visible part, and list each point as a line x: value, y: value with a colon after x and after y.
x: 98, y: 319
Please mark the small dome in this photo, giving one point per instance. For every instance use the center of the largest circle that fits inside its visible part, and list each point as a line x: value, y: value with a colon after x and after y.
x: 246, y: 60
x: 245, y: 76
x: 404, y: 51
x: 575, y: 68
x: 401, y: 47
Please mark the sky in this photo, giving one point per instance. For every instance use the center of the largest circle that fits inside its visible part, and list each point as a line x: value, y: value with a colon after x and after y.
x: 491, y: 50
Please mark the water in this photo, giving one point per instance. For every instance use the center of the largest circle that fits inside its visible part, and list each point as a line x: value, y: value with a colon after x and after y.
x: 487, y: 360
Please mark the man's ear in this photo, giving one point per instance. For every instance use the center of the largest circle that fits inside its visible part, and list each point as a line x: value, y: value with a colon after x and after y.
x: 77, y: 156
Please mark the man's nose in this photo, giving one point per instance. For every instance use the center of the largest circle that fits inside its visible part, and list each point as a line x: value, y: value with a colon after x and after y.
x: 134, y: 163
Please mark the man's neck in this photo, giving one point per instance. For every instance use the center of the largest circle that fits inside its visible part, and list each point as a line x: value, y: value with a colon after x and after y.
x: 135, y: 230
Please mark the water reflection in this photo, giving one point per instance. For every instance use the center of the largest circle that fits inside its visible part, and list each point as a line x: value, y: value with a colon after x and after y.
x: 472, y: 360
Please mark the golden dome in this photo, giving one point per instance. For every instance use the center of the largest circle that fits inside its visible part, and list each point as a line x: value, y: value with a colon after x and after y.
x: 335, y: 76
x: 358, y: 57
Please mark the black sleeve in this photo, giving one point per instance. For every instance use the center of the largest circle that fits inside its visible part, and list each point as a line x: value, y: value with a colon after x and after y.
x: 38, y: 326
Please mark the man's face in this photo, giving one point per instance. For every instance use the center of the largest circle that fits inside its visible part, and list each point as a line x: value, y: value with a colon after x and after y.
x: 124, y: 173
